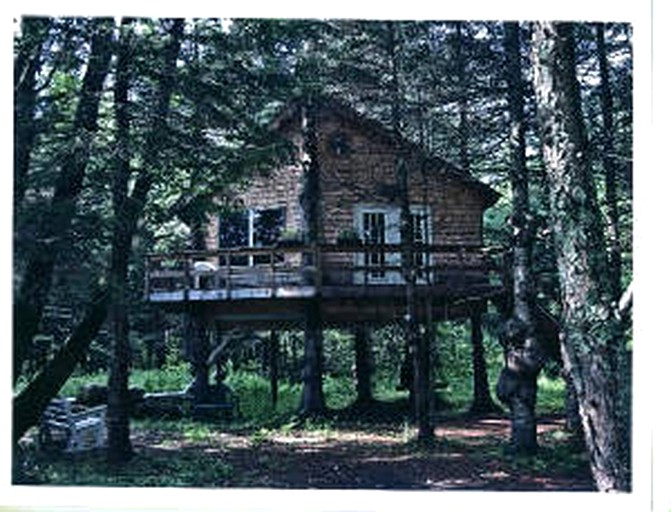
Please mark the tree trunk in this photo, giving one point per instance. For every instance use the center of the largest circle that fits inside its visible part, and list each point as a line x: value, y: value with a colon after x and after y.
x: 482, y: 399
x: 423, y: 382
x: 464, y: 126
x: 414, y: 338
x: 199, y: 350
x: 33, y: 399
x: 609, y: 166
x: 118, y: 413
x: 54, y: 226
x: 593, y: 347
x: 312, y: 399
x: 128, y: 210
x: 364, y: 392
x: 27, y: 67
x: 523, y: 351
x: 573, y: 423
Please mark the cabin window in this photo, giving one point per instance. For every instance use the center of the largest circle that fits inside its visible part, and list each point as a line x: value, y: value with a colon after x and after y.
x: 379, y: 225
x: 234, y: 232
x: 374, y: 234
x: 251, y: 228
x: 421, y: 235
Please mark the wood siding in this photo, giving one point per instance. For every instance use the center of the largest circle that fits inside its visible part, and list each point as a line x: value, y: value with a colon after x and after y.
x: 364, y: 174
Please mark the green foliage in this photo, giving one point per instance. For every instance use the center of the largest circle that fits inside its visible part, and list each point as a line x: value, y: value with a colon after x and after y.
x: 171, y: 378
x: 166, y: 468
x: 551, y: 395
x: 339, y: 391
x: 253, y: 394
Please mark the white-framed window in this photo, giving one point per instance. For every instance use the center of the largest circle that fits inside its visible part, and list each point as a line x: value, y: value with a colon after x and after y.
x: 381, y: 224
x: 255, y: 227
x: 421, y: 234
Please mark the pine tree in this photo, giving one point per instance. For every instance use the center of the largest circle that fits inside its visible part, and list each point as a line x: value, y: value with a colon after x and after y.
x: 593, y: 345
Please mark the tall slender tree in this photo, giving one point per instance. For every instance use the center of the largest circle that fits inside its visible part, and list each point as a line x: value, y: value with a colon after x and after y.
x: 128, y: 211
x: 593, y: 347
x: 524, y: 355
x: 416, y: 341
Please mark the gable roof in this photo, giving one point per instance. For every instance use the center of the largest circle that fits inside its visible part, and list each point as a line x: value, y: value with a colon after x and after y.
x: 292, y: 111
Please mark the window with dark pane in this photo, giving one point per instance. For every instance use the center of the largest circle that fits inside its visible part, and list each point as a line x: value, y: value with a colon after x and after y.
x: 234, y: 232
x: 268, y: 225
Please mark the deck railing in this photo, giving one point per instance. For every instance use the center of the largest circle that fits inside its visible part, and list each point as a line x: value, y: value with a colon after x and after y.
x: 228, y: 271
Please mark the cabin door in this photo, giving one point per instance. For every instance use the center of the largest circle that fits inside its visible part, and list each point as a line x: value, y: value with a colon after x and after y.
x: 380, y: 225
x: 377, y: 226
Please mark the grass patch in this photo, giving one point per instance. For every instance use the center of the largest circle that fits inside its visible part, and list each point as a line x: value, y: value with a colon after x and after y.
x: 551, y: 395
x: 163, y: 468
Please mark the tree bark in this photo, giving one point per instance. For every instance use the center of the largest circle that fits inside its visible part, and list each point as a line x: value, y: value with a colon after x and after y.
x: 128, y: 210
x: 523, y: 352
x: 609, y: 166
x: 593, y: 347
x: 364, y: 392
x: 118, y: 413
x: 199, y: 349
x: 414, y: 337
x: 55, y: 224
x: 482, y: 398
x: 27, y: 66
x: 29, y: 404
x: 464, y: 125
x: 312, y: 398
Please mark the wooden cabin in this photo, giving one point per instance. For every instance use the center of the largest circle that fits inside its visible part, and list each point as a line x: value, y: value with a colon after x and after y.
x: 262, y: 268
x: 257, y: 267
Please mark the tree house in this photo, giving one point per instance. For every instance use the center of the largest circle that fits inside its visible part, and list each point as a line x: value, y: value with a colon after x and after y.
x: 318, y: 243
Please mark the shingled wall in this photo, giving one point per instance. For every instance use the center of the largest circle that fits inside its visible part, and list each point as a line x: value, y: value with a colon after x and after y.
x: 365, y: 173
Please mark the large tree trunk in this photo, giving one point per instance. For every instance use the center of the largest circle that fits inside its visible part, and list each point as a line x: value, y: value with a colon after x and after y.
x: 128, y: 210
x: 118, y: 414
x: 312, y: 401
x: 523, y: 351
x: 363, y: 363
x: 29, y: 404
x: 609, y: 166
x: 593, y: 345
x: 54, y: 226
x: 312, y: 398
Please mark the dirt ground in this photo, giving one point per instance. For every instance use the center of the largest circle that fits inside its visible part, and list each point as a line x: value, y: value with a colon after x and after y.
x: 468, y: 454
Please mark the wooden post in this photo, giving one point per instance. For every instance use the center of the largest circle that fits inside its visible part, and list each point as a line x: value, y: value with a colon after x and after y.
x: 363, y: 364
x: 312, y: 399
x: 198, y: 351
x: 423, y: 391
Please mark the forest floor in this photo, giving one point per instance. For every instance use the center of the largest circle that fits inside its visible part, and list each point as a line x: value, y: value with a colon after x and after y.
x: 469, y: 453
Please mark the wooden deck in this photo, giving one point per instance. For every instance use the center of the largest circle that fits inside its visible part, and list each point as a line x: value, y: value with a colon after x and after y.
x: 350, y: 283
